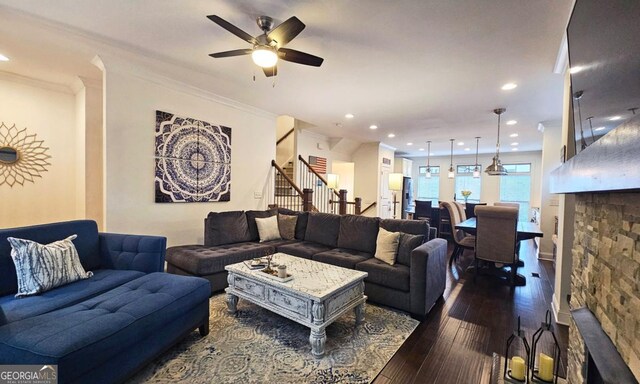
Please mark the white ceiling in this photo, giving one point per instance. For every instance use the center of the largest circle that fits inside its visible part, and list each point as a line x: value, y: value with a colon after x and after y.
x: 424, y: 70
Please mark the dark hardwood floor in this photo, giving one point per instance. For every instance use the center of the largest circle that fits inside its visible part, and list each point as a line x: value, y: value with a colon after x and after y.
x: 454, y: 344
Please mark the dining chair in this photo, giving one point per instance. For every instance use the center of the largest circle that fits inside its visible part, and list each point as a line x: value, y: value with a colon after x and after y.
x: 461, y: 240
x: 461, y: 212
x: 496, y: 237
x: 505, y: 204
x: 423, y: 210
x: 469, y: 209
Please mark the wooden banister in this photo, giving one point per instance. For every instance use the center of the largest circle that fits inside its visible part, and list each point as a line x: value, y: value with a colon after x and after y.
x: 293, y: 185
x: 316, y: 173
x: 280, y: 140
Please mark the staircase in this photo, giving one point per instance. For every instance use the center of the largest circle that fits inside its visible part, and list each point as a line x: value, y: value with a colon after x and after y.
x: 285, y: 195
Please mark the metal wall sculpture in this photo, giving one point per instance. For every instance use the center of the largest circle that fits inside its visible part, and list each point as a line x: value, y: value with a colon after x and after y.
x: 22, y: 157
x: 193, y: 160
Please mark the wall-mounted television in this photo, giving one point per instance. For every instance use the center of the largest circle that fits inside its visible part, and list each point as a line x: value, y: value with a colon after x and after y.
x: 604, y: 56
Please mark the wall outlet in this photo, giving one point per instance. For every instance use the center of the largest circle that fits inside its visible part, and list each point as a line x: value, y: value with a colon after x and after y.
x: 257, y: 195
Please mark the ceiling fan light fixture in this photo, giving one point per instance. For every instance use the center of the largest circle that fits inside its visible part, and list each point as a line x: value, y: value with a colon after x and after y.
x: 264, y: 57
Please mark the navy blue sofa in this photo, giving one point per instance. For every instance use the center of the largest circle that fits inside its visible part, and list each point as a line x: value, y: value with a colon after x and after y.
x: 104, y: 328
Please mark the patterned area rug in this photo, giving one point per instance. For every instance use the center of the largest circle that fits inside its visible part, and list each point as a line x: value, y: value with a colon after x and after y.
x: 258, y: 346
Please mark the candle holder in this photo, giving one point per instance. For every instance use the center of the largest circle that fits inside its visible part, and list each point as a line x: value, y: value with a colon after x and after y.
x: 540, y: 369
x: 516, y: 338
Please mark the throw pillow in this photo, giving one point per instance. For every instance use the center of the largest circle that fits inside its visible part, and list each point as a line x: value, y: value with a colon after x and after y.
x: 268, y: 228
x: 287, y: 225
x: 387, y: 246
x: 41, y: 267
x: 407, y: 244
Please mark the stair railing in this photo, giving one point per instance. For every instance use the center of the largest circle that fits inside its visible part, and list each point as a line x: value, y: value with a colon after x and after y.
x: 287, y: 194
x: 323, y: 196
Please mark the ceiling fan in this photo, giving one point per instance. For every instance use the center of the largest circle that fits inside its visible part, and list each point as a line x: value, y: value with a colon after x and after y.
x: 269, y: 47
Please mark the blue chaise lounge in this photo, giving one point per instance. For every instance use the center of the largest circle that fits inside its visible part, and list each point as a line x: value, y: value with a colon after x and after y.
x: 104, y: 328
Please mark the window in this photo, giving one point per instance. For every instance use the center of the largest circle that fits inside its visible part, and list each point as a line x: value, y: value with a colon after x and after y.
x: 466, y: 182
x: 429, y: 189
x: 516, y: 187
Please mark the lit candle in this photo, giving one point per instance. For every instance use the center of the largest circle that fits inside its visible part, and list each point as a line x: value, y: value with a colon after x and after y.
x: 545, y: 372
x: 517, y: 368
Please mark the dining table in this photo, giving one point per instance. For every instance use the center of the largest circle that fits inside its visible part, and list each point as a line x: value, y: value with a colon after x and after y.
x: 526, y: 230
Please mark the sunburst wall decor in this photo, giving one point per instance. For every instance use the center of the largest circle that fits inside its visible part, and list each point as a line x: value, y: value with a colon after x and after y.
x: 193, y: 160
x: 22, y: 157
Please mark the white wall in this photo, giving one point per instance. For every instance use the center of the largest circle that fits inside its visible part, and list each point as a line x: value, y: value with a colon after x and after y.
x: 48, y: 111
x: 131, y: 99
x: 366, y: 175
x: 286, y: 148
x: 551, y: 144
x: 490, y: 185
x: 314, y: 144
x: 345, y: 171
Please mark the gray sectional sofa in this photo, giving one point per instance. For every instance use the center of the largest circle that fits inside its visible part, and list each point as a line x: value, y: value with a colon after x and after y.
x: 413, y: 284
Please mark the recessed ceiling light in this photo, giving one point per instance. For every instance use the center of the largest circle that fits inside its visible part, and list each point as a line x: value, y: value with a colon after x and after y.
x: 391, y: 135
x: 514, y: 148
x: 467, y: 149
x: 460, y: 143
x: 421, y: 149
x: 512, y: 122
x: 3, y: 57
x: 576, y: 69
x: 614, y: 118
x: 509, y: 86
x: 373, y: 126
x: 513, y: 135
x: 409, y: 143
x: 349, y: 116
x: 514, y: 143
x: 599, y: 129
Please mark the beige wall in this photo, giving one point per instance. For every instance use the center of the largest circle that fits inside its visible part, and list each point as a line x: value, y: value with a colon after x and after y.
x: 48, y: 111
x: 131, y: 99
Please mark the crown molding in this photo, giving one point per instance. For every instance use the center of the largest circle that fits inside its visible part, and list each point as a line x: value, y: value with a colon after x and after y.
x: 56, y: 87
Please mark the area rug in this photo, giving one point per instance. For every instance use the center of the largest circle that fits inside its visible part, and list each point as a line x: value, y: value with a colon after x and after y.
x: 257, y: 346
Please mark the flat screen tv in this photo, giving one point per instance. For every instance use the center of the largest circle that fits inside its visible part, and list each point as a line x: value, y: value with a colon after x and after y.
x: 604, y: 56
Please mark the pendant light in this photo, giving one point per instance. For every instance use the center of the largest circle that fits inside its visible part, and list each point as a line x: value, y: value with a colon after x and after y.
x: 451, y: 172
x: 428, y: 165
x: 496, y: 168
x: 476, y: 169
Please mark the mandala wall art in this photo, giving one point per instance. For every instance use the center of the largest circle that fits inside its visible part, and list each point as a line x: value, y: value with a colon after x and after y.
x: 193, y: 160
x: 22, y: 157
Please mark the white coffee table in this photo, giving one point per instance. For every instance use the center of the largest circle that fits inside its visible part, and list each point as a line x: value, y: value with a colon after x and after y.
x: 318, y: 294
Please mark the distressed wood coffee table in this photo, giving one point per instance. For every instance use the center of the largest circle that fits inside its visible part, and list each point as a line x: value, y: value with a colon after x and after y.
x: 318, y: 294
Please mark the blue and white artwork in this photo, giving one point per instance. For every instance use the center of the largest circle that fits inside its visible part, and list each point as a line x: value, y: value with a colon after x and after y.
x: 193, y: 160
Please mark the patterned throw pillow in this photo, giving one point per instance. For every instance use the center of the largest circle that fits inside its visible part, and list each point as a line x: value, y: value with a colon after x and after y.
x: 43, y: 267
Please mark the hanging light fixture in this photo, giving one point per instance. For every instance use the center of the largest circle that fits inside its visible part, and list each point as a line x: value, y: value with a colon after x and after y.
x: 451, y: 173
x: 428, y: 165
x: 496, y: 168
x: 476, y: 169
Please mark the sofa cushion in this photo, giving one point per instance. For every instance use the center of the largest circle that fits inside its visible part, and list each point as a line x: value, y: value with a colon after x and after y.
x: 407, y: 244
x: 387, y: 246
x: 268, y: 228
x: 342, y: 257
x: 200, y: 260
x: 305, y: 249
x: 251, y: 221
x: 81, y: 337
x: 392, y: 276
x: 226, y: 228
x: 12, y: 309
x: 86, y: 243
x: 358, y: 232
x: 414, y: 227
x: 287, y: 226
x: 323, y: 228
x: 301, y: 224
x: 43, y: 267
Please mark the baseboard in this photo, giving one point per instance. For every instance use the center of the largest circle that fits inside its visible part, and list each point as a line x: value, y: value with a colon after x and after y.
x: 545, y: 256
x: 560, y: 316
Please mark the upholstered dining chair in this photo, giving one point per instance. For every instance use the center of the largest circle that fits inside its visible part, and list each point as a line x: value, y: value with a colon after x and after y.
x: 496, y: 237
x: 423, y: 210
x: 461, y: 212
x: 505, y: 204
x: 460, y: 239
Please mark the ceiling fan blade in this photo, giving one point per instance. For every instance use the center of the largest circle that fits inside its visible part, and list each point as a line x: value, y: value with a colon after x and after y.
x: 299, y: 57
x: 235, y: 52
x: 233, y: 29
x: 271, y: 71
x: 286, y: 31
